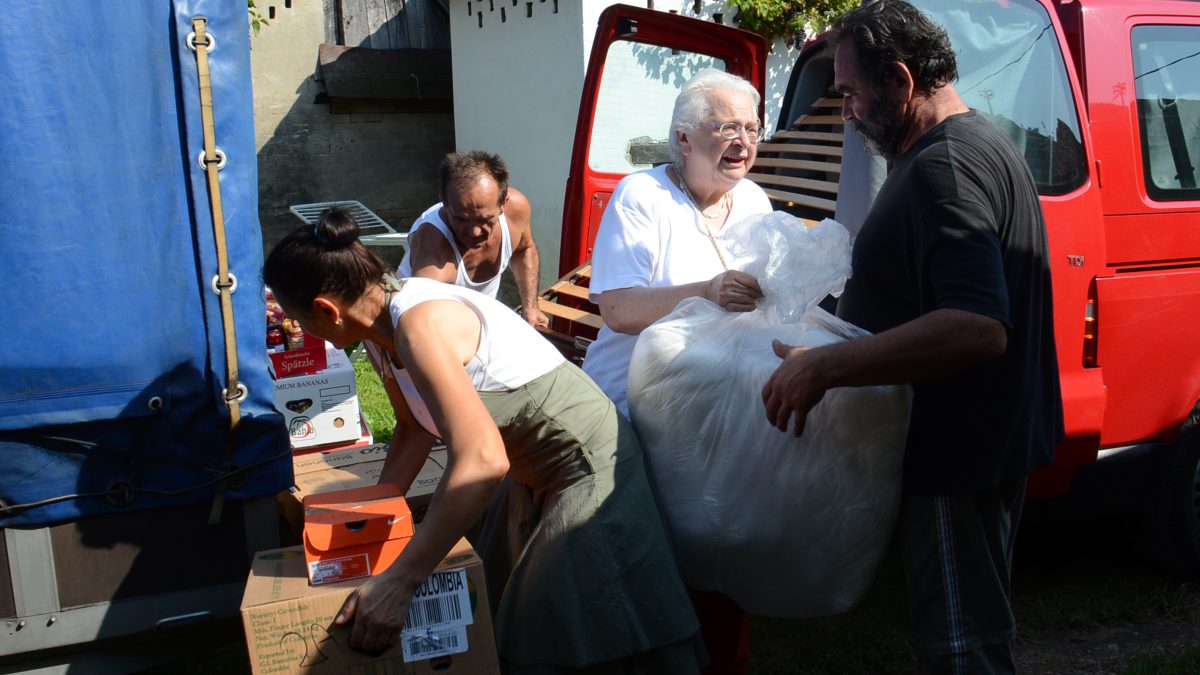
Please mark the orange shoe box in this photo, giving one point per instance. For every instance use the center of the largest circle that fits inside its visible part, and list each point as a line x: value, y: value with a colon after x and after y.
x: 354, y: 533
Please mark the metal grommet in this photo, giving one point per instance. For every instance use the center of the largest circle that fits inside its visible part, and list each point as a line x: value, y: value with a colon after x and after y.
x: 220, y: 160
x: 232, y: 284
x: 242, y: 393
x: 191, y: 41
x: 155, y: 403
x: 120, y: 493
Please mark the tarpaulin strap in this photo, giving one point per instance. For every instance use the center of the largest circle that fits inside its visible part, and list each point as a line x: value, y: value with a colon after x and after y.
x: 234, y: 390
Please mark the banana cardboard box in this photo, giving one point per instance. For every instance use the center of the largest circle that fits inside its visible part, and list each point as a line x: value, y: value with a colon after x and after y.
x: 321, y: 408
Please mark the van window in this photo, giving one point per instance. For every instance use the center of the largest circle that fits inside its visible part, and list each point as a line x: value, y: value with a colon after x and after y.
x: 634, y: 105
x: 1011, y: 69
x: 1166, y: 76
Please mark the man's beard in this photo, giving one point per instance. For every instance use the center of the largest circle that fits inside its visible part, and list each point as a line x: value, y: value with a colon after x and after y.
x: 881, y: 134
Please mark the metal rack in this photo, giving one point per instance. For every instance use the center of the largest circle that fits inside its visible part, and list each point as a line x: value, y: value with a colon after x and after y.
x: 375, y: 230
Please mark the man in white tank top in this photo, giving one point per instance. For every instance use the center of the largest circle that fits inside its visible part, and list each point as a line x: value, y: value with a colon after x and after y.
x: 480, y: 227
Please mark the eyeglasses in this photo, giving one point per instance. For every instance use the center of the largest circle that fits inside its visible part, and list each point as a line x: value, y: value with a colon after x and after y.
x: 732, y: 131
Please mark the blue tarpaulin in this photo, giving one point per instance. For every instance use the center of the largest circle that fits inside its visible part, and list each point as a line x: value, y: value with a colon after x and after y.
x: 112, y: 362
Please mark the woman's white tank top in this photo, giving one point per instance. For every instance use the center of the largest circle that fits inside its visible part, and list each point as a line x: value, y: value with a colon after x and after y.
x: 511, y: 353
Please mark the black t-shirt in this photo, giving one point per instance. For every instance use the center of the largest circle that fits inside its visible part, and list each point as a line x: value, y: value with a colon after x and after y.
x: 957, y: 224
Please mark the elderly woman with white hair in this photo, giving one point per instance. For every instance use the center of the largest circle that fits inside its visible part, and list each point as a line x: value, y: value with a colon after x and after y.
x: 656, y: 246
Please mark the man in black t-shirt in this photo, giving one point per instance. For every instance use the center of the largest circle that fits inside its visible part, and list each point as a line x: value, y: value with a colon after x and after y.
x: 951, y: 273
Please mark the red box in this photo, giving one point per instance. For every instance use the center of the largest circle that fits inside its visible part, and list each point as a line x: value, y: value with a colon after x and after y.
x: 307, y: 360
x: 354, y: 533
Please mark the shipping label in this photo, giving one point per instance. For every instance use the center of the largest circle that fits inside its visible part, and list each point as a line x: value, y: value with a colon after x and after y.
x: 433, y: 642
x: 339, y: 569
x: 438, y: 616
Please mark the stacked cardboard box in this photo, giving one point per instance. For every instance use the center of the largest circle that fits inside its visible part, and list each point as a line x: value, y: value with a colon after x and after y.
x: 289, y: 624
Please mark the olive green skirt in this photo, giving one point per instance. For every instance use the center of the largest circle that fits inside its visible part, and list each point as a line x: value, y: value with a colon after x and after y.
x: 574, y: 546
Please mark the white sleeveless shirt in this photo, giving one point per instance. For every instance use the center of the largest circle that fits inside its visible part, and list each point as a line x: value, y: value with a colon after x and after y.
x: 511, y: 353
x: 432, y: 216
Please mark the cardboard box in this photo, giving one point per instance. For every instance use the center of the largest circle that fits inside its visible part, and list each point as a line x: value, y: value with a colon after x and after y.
x: 289, y: 624
x: 322, y: 408
x: 354, y: 533
x: 307, y: 360
x: 352, y: 466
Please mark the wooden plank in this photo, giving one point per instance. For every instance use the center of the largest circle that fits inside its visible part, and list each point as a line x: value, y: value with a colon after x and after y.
x: 800, y: 148
x: 792, y: 181
x: 817, y: 119
x: 568, y: 288
x: 797, y: 198
x: 376, y: 25
x: 828, y: 102
x: 355, y: 23
x: 437, y: 25
x: 333, y: 22
x: 570, y: 313
x: 417, y: 23
x: 831, y: 136
x: 393, y: 16
x: 829, y: 167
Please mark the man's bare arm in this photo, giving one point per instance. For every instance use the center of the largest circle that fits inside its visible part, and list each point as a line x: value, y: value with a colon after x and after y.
x: 432, y: 256
x: 941, y: 343
x: 526, y: 263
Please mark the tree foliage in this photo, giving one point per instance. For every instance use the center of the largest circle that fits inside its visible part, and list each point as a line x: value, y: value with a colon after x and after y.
x: 257, y: 20
x: 788, y: 19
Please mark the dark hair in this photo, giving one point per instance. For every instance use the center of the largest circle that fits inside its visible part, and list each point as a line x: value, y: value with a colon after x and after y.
x: 322, y: 259
x: 464, y: 168
x: 890, y: 31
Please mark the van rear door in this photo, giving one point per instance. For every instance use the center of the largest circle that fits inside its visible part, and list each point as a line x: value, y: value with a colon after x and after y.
x: 640, y: 59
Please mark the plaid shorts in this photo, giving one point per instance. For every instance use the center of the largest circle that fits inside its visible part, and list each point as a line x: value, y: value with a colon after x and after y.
x: 957, y: 554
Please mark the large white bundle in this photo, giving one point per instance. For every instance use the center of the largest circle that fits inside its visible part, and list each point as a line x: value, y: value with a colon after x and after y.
x: 785, y: 526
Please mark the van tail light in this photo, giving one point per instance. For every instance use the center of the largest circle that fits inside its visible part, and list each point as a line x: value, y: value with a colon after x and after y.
x: 1090, y: 327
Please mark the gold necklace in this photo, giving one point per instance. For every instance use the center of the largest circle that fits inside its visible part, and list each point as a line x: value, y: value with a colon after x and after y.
x: 707, y: 230
x: 723, y: 205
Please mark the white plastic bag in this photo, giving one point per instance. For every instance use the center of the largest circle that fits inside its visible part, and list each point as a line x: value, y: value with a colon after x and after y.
x: 785, y: 526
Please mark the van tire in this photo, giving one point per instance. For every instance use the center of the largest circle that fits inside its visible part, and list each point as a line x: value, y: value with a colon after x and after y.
x: 1176, y: 511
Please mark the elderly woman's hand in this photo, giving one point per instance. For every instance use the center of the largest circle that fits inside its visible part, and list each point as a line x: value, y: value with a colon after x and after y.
x: 734, y: 291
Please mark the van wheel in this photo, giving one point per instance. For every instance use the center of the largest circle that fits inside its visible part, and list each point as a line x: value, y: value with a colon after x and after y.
x: 1177, y: 509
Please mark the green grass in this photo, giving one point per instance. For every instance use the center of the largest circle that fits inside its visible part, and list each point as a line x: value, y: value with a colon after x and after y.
x: 1163, y: 662
x: 1069, y: 576
x: 374, y: 401
x: 871, y: 638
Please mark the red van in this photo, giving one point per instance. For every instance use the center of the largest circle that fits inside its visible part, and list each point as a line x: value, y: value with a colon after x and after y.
x: 1102, y: 96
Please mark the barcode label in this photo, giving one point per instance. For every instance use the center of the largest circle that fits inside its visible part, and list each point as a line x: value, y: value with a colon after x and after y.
x: 430, y: 643
x: 443, y: 600
x: 339, y: 569
x: 434, y: 612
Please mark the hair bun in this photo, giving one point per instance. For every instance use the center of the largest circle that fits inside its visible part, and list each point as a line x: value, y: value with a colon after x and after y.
x: 336, y: 228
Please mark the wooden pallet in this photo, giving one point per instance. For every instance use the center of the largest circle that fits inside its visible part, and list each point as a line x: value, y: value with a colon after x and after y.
x: 575, y: 320
x: 567, y: 299
x: 801, y: 166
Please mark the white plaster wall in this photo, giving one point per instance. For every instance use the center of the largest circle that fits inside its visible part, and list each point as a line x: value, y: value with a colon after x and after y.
x: 517, y: 83
x: 516, y: 93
